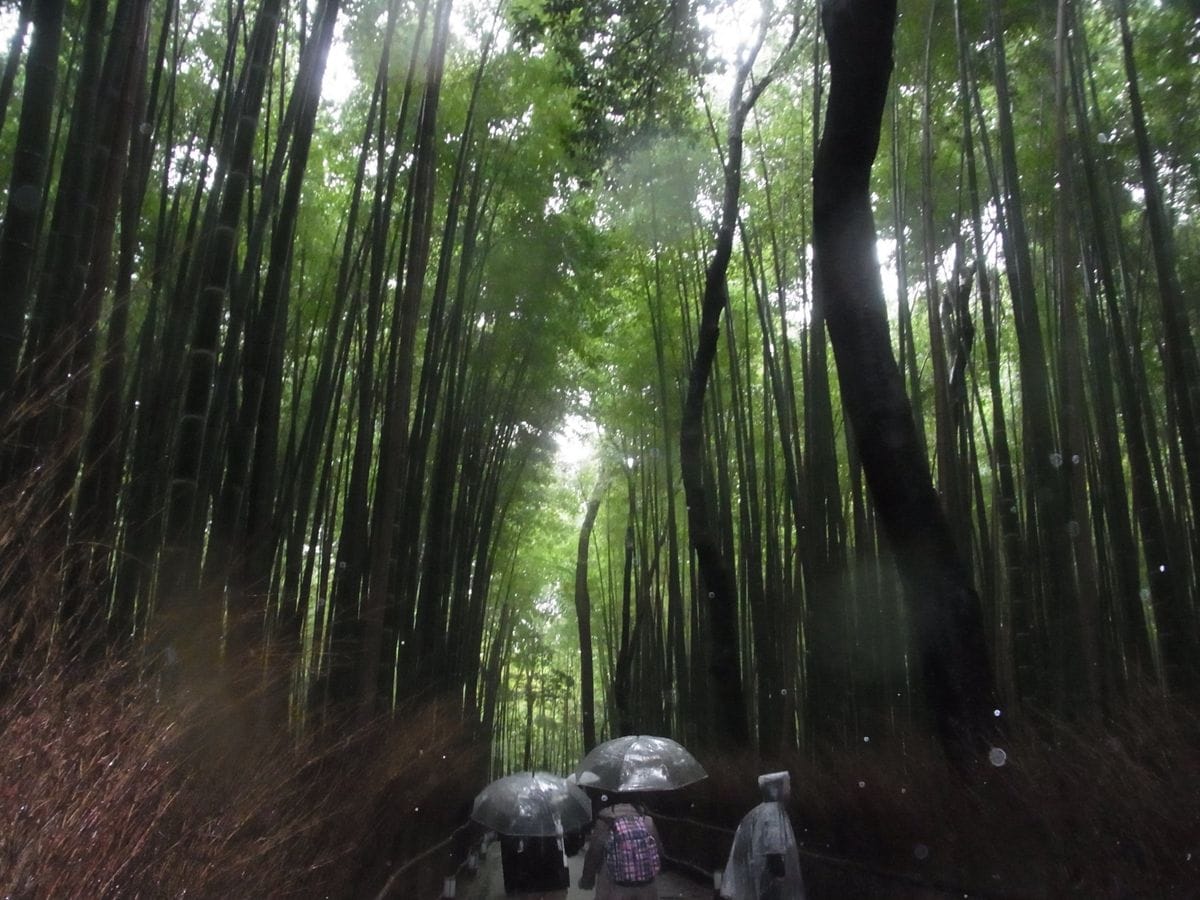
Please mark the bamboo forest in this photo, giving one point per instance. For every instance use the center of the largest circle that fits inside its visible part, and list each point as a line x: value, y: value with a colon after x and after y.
x: 396, y: 395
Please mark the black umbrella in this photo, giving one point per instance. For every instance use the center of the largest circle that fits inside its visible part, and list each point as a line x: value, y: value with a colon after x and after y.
x: 532, y: 804
x: 639, y: 762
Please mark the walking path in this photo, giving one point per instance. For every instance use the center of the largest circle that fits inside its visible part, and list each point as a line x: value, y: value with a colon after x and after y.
x: 489, y: 883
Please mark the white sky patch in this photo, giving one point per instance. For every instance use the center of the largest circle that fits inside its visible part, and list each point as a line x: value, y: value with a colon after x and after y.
x: 732, y: 27
x: 340, y: 80
x: 798, y: 312
x: 576, y: 441
x: 9, y: 18
x: 885, y: 252
x: 548, y: 605
x: 470, y: 21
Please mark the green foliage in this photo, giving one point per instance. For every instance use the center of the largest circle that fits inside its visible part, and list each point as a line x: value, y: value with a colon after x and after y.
x: 629, y: 63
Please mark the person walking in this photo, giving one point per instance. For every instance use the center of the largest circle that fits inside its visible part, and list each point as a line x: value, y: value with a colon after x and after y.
x: 535, y: 868
x: 623, y: 855
x: 764, y: 862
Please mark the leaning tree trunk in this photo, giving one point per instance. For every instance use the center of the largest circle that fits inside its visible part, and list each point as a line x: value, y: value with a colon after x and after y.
x: 947, y: 623
x: 716, y: 575
x: 583, y: 610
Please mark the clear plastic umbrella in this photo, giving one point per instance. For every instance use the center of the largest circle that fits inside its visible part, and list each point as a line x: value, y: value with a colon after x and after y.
x: 639, y: 762
x: 532, y: 804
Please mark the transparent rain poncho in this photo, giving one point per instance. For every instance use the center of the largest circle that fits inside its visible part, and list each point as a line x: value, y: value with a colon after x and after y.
x: 764, y: 863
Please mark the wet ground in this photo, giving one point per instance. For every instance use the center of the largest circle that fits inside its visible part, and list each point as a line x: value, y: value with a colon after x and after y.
x: 489, y: 883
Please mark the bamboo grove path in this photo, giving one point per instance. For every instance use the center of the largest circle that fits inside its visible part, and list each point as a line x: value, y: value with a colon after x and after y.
x: 488, y: 884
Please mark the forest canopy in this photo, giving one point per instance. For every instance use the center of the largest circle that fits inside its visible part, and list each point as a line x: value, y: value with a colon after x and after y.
x: 332, y: 325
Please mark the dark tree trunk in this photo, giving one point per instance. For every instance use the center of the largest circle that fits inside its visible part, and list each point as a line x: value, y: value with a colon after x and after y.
x: 948, y: 629
x: 583, y: 612
x: 13, y: 60
x: 1175, y: 619
x: 394, y: 448
x: 187, y: 498
x: 27, y: 185
x: 717, y: 580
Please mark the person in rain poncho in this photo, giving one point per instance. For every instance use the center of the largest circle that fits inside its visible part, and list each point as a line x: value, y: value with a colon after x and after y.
x: 764, y: 863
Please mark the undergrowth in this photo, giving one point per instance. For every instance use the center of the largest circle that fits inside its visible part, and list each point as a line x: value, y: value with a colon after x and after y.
x: 107, y: 791
x: 115, y: 785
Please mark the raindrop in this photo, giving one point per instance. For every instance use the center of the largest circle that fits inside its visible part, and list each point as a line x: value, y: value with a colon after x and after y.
x: 921, y: 851
x: 996, y: 713
x: 1144, y: 593
x: 862, y: 784
x: 783, y: 692
x: 711, y: 595
x: 1056, y: 460
x: 1162, y: 568
x: 997, y: 757
x: 866, y: 740
x: 1074, y: 459
x: 904, y: 790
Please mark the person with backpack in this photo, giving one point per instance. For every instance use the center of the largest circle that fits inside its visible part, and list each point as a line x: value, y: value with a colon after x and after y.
x: 764, y: 862
x: 624, y: 854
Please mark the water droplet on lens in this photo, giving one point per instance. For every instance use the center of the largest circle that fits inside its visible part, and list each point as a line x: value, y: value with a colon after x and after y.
x: 997, y: 757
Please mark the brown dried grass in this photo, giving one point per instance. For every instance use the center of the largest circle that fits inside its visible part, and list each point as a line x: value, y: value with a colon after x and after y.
x: 113, y: 787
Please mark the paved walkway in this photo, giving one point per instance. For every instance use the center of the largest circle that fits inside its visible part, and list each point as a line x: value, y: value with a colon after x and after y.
x: 489, y: 883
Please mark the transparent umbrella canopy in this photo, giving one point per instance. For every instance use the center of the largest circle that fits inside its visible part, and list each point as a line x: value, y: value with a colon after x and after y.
x: 639, y: 762
x: 532, y: 804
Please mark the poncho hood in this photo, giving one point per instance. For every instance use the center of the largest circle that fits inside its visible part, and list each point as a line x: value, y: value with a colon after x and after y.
x: 774, y: 785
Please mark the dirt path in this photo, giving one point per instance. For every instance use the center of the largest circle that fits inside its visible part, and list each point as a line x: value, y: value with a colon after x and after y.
x: 489, y: 883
